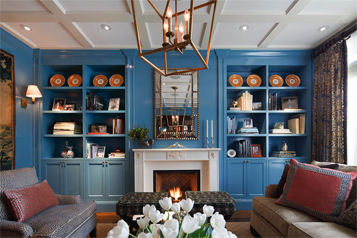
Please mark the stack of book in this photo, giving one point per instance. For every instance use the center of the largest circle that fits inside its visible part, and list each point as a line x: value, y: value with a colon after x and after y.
x: 283, y: 153
x: 245, y: 101
x: 117, y: 155
x: 273, y: 101
x: 296, y: 124
x: 94, y: 102
x: 118, y: 126
x: 91, y: 149
x: 66, y: 128
x: 243, y: 148
x: 248, y: 130
x: 280, y: 131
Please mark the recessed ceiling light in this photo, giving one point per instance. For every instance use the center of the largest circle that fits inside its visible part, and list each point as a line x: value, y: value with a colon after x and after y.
x: 323, y: 28
x: 244, y: 27
x: 27, y: 28
x: 106, y: 27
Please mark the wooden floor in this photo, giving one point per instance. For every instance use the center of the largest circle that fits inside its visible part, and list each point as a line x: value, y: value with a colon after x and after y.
x: 112, y: 217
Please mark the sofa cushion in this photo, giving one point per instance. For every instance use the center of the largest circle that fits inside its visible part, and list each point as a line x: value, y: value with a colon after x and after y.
x: 14, y: 179
x: 320, y: 229
x: 349, y: 216
x: 27, y: 202
x: 280, y: 216
x: 319, y: 192
x: 284, y: 176
x: 62, y: 220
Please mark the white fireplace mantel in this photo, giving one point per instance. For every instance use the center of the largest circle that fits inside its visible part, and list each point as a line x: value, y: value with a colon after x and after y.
x: 148, y: 160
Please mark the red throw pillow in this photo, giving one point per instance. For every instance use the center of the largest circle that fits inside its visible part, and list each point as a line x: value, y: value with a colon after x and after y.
x: 27, y: 202
x: 319, y: 192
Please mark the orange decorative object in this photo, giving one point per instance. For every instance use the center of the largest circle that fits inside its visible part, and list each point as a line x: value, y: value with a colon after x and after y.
x: 276, y: 81
x: 292, y: 80
x: 100, y: 80
x: 236, y: 80
x: 116, y: 80
x: 57, y: 80
x: 74, y: 80
x: 254, y: 80
x: 175, y: 193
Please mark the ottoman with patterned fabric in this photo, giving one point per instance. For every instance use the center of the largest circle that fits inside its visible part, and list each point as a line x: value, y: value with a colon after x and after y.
x: 221, y: 201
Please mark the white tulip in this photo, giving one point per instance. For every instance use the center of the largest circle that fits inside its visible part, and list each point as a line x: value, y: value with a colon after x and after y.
x: 208, y: 210
x: 155, y: 216
x: 147, y: 208
x: 170, y: 229
x: 176, y: 207
x: 121, y: 230
x: 143, y: 222
x: 231, y: 235
x: 220, y: 232
x: 187, y: 204
x: 144, y: 235
x: 217, y: 220
x: 200, y: 218
x: 189, y: 225
x: 166, y: 203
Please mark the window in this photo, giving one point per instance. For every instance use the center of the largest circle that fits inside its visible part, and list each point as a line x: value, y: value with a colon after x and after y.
x: 352, y: 100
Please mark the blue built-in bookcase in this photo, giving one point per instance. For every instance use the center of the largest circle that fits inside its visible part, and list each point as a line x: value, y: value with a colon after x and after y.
x: 246, y: 177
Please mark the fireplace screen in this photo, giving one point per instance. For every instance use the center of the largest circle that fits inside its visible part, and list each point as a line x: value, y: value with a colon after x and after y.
x: 186, y: 180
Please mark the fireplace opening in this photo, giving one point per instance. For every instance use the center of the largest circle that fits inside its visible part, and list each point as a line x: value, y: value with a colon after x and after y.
x: 178, y: 180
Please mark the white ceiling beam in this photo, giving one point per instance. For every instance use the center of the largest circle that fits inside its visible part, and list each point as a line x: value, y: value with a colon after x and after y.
x: 27, y: 17
x: 207, y: 30
x: 272, y: 34
x: 55, y: 9
x: 296, y: 7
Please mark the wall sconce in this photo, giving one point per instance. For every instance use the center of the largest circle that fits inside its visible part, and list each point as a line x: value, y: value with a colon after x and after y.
x: 33, y: 92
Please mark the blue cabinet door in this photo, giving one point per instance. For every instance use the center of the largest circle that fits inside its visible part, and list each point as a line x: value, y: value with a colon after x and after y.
x: 236, y: 178
x: 115, y: 184
x: 73, y: 178
x: 256, y: 177
x: 95, y: 177
x: 52, y: 172
x: 276, y: 168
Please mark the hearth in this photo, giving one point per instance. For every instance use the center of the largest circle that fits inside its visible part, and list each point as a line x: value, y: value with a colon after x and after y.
x: 178, y: 181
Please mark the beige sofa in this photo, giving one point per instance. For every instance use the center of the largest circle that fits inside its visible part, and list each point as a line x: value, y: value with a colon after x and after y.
x: 271, y: 220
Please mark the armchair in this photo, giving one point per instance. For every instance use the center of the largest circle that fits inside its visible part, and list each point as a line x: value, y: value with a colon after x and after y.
x: 71, y: 218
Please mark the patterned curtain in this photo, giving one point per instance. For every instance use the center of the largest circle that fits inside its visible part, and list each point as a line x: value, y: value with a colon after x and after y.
x: 330, y: 104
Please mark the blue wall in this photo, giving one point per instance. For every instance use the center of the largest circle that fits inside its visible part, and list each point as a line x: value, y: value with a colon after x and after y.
x: 25, y: 122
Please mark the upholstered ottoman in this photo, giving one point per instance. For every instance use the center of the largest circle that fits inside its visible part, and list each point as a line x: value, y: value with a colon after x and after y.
x: 221, y: 201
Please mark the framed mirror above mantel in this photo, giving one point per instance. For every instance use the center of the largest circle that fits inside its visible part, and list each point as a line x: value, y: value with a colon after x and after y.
x: 176, y: 106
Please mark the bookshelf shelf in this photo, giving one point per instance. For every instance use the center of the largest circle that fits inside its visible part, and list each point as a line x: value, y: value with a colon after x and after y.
x: 287, y: 112
x: 287, y: 135
x: 51, y: 135
x: 108, y: 135
x: 62, y: 88
x: 288, y: 88
x: 62, y: 112
x: 246, y: 135
x: 245, y: 88
x: 245, y: 112
x: 104, y: 88
x: 105, y: 112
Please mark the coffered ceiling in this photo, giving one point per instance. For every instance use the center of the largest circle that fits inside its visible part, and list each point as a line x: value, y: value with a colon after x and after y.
x: 273, y: 24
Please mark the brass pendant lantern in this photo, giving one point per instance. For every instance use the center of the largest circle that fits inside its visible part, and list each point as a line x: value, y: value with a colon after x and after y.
x: 176, y: 37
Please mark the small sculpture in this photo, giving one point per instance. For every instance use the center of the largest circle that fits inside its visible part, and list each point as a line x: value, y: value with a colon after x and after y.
x: 145, y: 144
x: 151, y: 142
x: 234, y: 103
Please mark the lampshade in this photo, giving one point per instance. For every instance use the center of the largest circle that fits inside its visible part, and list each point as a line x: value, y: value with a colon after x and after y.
x: 33, y: 92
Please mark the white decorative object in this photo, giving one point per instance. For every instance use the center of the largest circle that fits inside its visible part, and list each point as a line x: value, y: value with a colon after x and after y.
x: 202, y: 159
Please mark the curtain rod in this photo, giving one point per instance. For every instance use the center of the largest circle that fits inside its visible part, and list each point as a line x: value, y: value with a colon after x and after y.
x: 324, y: 47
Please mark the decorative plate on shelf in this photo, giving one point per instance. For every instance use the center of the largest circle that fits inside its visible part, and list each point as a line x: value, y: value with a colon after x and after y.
x: 276, y: 81
x: 236, y: 80
x: 292, y: 80
x: 254, y: 80
x: 74, y: 80
x: 100, y: 80
x: 116, y: 80
x: 57, y: 80
x: 231, y: 153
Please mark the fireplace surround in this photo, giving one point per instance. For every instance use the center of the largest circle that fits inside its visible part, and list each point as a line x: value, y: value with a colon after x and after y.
x: 149, y: 160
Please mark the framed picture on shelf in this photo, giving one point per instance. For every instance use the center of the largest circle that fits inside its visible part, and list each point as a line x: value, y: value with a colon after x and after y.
x: 248, y: 123
x: 289, y: 102
x: 114, y: 104
x: 279, y: 125
x: 100, y: 151
x: 69, y: 107
x: 256, y: 150
x: 58, y: 104
x: 257, y: 106
x: 99, y: 129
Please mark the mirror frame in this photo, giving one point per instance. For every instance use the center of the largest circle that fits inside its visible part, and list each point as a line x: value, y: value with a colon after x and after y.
x: 159, y: 91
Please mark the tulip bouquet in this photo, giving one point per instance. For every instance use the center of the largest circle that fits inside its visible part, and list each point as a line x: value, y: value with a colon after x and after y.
x: 182, y: 227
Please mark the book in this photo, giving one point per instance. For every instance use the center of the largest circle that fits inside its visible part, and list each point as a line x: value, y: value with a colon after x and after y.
x: 280, y: 131
x: 89, y: 145
x: 302, y: 122
x: 293, y: 125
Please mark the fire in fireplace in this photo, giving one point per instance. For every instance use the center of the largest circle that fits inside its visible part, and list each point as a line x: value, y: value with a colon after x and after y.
x: 176, y: 182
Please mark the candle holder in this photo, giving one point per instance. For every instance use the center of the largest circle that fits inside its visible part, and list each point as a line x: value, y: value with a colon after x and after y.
x: 212, y: 142
x: 207, y: 142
